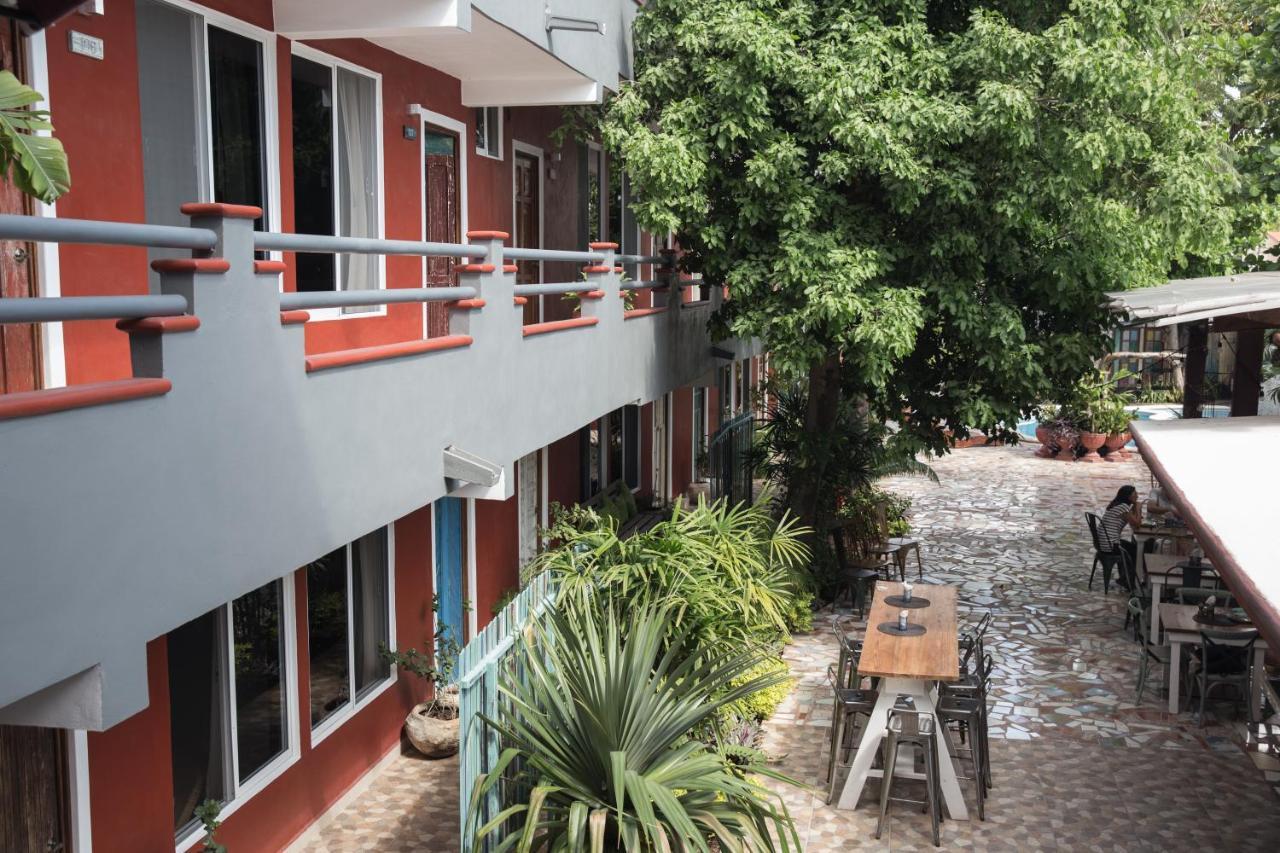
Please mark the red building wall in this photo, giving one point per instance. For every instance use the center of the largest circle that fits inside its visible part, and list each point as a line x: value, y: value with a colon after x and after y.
x: 131, y: 799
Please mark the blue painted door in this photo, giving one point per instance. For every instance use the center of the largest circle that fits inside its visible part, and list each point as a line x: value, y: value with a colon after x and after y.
x: 448, y: 578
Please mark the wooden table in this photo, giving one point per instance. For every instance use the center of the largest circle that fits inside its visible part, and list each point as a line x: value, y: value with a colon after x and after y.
x: 1162, y: 571
x: 909, y: 666
x: 1147, y: 530
x: 1182, y: 629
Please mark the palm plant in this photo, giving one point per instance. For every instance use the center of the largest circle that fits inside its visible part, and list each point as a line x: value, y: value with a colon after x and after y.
x: 35, y: 164
x: 728, y: 575
x: 596, y: 721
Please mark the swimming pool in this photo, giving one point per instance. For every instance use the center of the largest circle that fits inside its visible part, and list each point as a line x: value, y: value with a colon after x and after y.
x: 1144, y: 412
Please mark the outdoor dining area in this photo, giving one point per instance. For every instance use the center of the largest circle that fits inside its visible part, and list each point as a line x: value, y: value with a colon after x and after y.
x: 910, y: 694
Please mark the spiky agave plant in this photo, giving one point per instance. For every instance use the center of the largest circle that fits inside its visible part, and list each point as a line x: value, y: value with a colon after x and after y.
x: 596, y: 718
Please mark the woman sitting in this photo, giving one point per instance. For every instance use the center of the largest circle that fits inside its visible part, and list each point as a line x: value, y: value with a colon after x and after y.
x: 1123, y: 510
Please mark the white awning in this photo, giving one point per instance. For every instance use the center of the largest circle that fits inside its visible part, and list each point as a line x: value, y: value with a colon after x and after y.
x: 1190, y: 299
x: 1223, y: 475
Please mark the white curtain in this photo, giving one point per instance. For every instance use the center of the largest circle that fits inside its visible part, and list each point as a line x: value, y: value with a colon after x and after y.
x: 369, y: 606
x: 357, y: 186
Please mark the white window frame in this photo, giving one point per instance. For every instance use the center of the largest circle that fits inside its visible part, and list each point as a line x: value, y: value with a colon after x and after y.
x: 518, y: 147
x: 484, y: 152
x: 700, y: 431
x: 270, y: 105
x: 356, y: 704
x: 602, y: 178
x: 242, y: 792
x: 450, y: 125
x: 321, y: 58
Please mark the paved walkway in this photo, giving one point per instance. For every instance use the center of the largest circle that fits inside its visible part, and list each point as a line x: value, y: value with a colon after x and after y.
x: 1078, y: 766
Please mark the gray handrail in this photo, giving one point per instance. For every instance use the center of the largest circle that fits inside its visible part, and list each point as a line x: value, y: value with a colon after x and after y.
x: 642, y: 285
x: 517, y: 254
x: 276, y: 241
x: 548, y: 289
x: 55, y: 309
x: 49, y: 229
x: 350, y: 298
x: 660, y: 260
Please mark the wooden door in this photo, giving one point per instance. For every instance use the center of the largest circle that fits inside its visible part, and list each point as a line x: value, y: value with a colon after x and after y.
x: 32, y: 790
x: 528, y: 227
x: 19, y: 344
x: 441, y: 192
x: 450, y: 585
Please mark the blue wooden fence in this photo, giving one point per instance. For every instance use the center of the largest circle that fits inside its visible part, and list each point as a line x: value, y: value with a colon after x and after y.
x: 478, y: 666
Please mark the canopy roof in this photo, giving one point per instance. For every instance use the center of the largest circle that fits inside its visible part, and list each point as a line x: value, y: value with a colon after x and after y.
x: 1189, y: 299
x: 1223, y: 475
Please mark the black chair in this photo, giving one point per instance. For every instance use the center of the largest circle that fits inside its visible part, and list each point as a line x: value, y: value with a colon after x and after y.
x: 1108, y: 559
x: 1224, y: 658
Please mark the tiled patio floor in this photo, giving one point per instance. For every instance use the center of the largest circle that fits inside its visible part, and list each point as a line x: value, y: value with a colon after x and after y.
x: 1077, y: 765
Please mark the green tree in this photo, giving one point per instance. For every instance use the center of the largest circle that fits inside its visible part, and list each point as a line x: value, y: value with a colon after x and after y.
x: 1240, y: 45
x: 919, y: 205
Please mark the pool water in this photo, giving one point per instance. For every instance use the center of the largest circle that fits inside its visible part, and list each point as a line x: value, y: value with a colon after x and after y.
x: 1148, y: 412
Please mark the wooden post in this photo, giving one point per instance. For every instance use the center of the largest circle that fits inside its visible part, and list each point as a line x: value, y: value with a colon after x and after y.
x: 1197, y: 353
x: 1246, y: 382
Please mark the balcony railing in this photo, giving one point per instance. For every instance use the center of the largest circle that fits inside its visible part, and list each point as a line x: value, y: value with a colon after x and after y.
x: 231, y: 456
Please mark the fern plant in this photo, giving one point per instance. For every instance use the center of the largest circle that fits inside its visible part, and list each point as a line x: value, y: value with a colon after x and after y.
x: 596, y: 721
x: 35, y: 164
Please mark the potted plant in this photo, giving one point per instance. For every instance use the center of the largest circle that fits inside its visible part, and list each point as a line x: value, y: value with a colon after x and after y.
x: 1045, y: 422
x: 1117, y: 424
x: 432, y: 726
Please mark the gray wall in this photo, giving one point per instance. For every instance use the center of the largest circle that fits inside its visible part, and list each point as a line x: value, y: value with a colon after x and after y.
x: 134, y: 517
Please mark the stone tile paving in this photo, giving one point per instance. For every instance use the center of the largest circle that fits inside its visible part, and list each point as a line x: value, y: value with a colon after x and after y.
x: 1078, y: 764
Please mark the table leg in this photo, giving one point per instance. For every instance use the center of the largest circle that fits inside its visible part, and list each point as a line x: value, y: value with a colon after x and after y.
x: 872, y: 734
x: 1157, y: 592
x: 1175, y: 672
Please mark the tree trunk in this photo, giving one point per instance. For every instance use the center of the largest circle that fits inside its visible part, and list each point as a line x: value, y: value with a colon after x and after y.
x: 820, y: 419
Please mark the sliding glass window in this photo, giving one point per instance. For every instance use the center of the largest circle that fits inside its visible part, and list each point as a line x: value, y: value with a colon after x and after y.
x: 336, y: 140
x: 348, y: 624
x: 228, y: 702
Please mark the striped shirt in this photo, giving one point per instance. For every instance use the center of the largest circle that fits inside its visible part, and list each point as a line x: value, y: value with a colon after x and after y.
x: 1113, y: 522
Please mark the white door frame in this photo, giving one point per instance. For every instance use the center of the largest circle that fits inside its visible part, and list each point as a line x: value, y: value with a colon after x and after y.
x: 518, y: 147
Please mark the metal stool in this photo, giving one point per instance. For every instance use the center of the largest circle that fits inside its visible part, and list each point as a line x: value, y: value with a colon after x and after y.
x: 912, y: 728
x: 861, y: 582
x: 905, y: 544
x: 971, y: 713
x: 849, y: 703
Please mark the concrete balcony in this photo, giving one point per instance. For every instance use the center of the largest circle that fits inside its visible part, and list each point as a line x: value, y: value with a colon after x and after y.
x: 505, y: 52
x: 232, y: 457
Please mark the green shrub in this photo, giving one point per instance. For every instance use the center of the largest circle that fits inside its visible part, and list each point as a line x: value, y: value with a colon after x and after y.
x: 760, y: 705
x: 729, y: 575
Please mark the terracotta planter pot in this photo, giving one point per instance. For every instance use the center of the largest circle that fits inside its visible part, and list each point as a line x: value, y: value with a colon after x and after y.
x: 1115, y: 447
x: 1044, y: 435
x: 1065, y: 438
x: 1091, y: 441
x: 432, y: 727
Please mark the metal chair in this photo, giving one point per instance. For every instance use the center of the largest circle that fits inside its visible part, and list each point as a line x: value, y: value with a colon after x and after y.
x: 847, y: 664
x: 1223, y: 658
x: 1138, y: 610
x: 903, y: 545
x: 1107, y: 559
x: 1199, y: 595
x: 850, y: 702
x: 915, y: 729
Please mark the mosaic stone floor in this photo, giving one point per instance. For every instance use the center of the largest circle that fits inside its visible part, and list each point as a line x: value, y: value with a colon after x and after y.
x: 1078, y: 766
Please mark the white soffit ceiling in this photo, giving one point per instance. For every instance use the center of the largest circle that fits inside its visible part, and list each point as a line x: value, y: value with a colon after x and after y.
x: 497, y: 67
